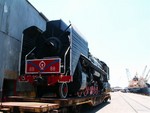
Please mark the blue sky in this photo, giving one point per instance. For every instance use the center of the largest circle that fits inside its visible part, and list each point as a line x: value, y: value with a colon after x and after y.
x: 118, y: 31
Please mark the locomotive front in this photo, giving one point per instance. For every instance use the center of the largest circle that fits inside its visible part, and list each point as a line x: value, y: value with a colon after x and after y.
x: 57, y: 60
x: 46, y: 57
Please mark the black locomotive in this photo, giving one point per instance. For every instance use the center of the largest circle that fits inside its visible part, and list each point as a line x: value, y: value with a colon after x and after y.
x: 58, y: 60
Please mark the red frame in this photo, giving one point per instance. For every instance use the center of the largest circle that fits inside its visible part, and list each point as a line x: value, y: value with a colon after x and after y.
x: 51, y: 80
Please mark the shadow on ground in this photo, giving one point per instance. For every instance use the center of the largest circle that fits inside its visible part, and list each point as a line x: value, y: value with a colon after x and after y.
x: 89, y: 109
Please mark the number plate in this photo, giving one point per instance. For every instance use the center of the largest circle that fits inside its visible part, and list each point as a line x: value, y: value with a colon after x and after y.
x: 43, y: 66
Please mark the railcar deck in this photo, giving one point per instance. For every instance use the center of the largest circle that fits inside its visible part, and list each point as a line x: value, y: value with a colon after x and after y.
x: 25, y: 104
x: 93, y: 100
x: 22, y: 107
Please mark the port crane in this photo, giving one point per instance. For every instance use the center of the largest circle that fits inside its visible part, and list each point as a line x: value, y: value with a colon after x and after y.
x: 128, y: 74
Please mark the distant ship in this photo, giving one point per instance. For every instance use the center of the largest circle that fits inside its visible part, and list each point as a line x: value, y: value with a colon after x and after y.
x: 139, y: 84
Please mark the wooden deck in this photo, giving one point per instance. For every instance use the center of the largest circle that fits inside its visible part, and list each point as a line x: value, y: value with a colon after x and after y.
x: 71, y: 101
x: 20, y: 104
x: 22, y: 107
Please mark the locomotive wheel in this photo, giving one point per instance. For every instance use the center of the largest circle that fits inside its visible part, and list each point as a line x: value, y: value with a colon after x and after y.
x: 91, y: 90
x: 79, y: 93
x: 86, y: 91
x: 63, y: 90
x: 96, y: 90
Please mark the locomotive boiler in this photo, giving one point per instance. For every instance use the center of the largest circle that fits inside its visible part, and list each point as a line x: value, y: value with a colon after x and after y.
x: 58, y: 60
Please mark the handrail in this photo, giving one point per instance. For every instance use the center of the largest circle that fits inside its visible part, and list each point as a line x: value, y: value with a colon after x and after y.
x: 65, y: 59
x: 29, y: 53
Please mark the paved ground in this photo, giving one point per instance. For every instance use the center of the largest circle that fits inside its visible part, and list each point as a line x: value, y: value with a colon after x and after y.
x: 122, y: 103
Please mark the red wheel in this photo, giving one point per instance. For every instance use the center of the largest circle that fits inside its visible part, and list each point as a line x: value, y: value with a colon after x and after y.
x: 63, y: 90
x: 86, y: 91
x: 79, y: 93
x: 96, y: 90
x: 91, y: 90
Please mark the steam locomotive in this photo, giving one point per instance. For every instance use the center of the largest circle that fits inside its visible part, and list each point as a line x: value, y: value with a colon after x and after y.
x: 58, y: 60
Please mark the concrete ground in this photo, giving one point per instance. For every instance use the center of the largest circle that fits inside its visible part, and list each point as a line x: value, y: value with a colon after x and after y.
x: 122, y: 103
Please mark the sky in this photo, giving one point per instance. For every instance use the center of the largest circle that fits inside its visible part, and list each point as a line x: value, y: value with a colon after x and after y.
x: 117, y: 31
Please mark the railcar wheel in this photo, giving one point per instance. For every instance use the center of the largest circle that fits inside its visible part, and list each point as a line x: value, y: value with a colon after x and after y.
x: 63, y: 90
x: 86, y: 91
x: 96, y: 90
x: 106, y: 100
x: 79, y: 93
x: 91, y: 90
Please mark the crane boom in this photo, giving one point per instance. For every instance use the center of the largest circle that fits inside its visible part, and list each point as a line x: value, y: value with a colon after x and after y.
x: 147, y: 74
x: 128, y: 74
x: 148, y: 77
x: 144, y: 71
